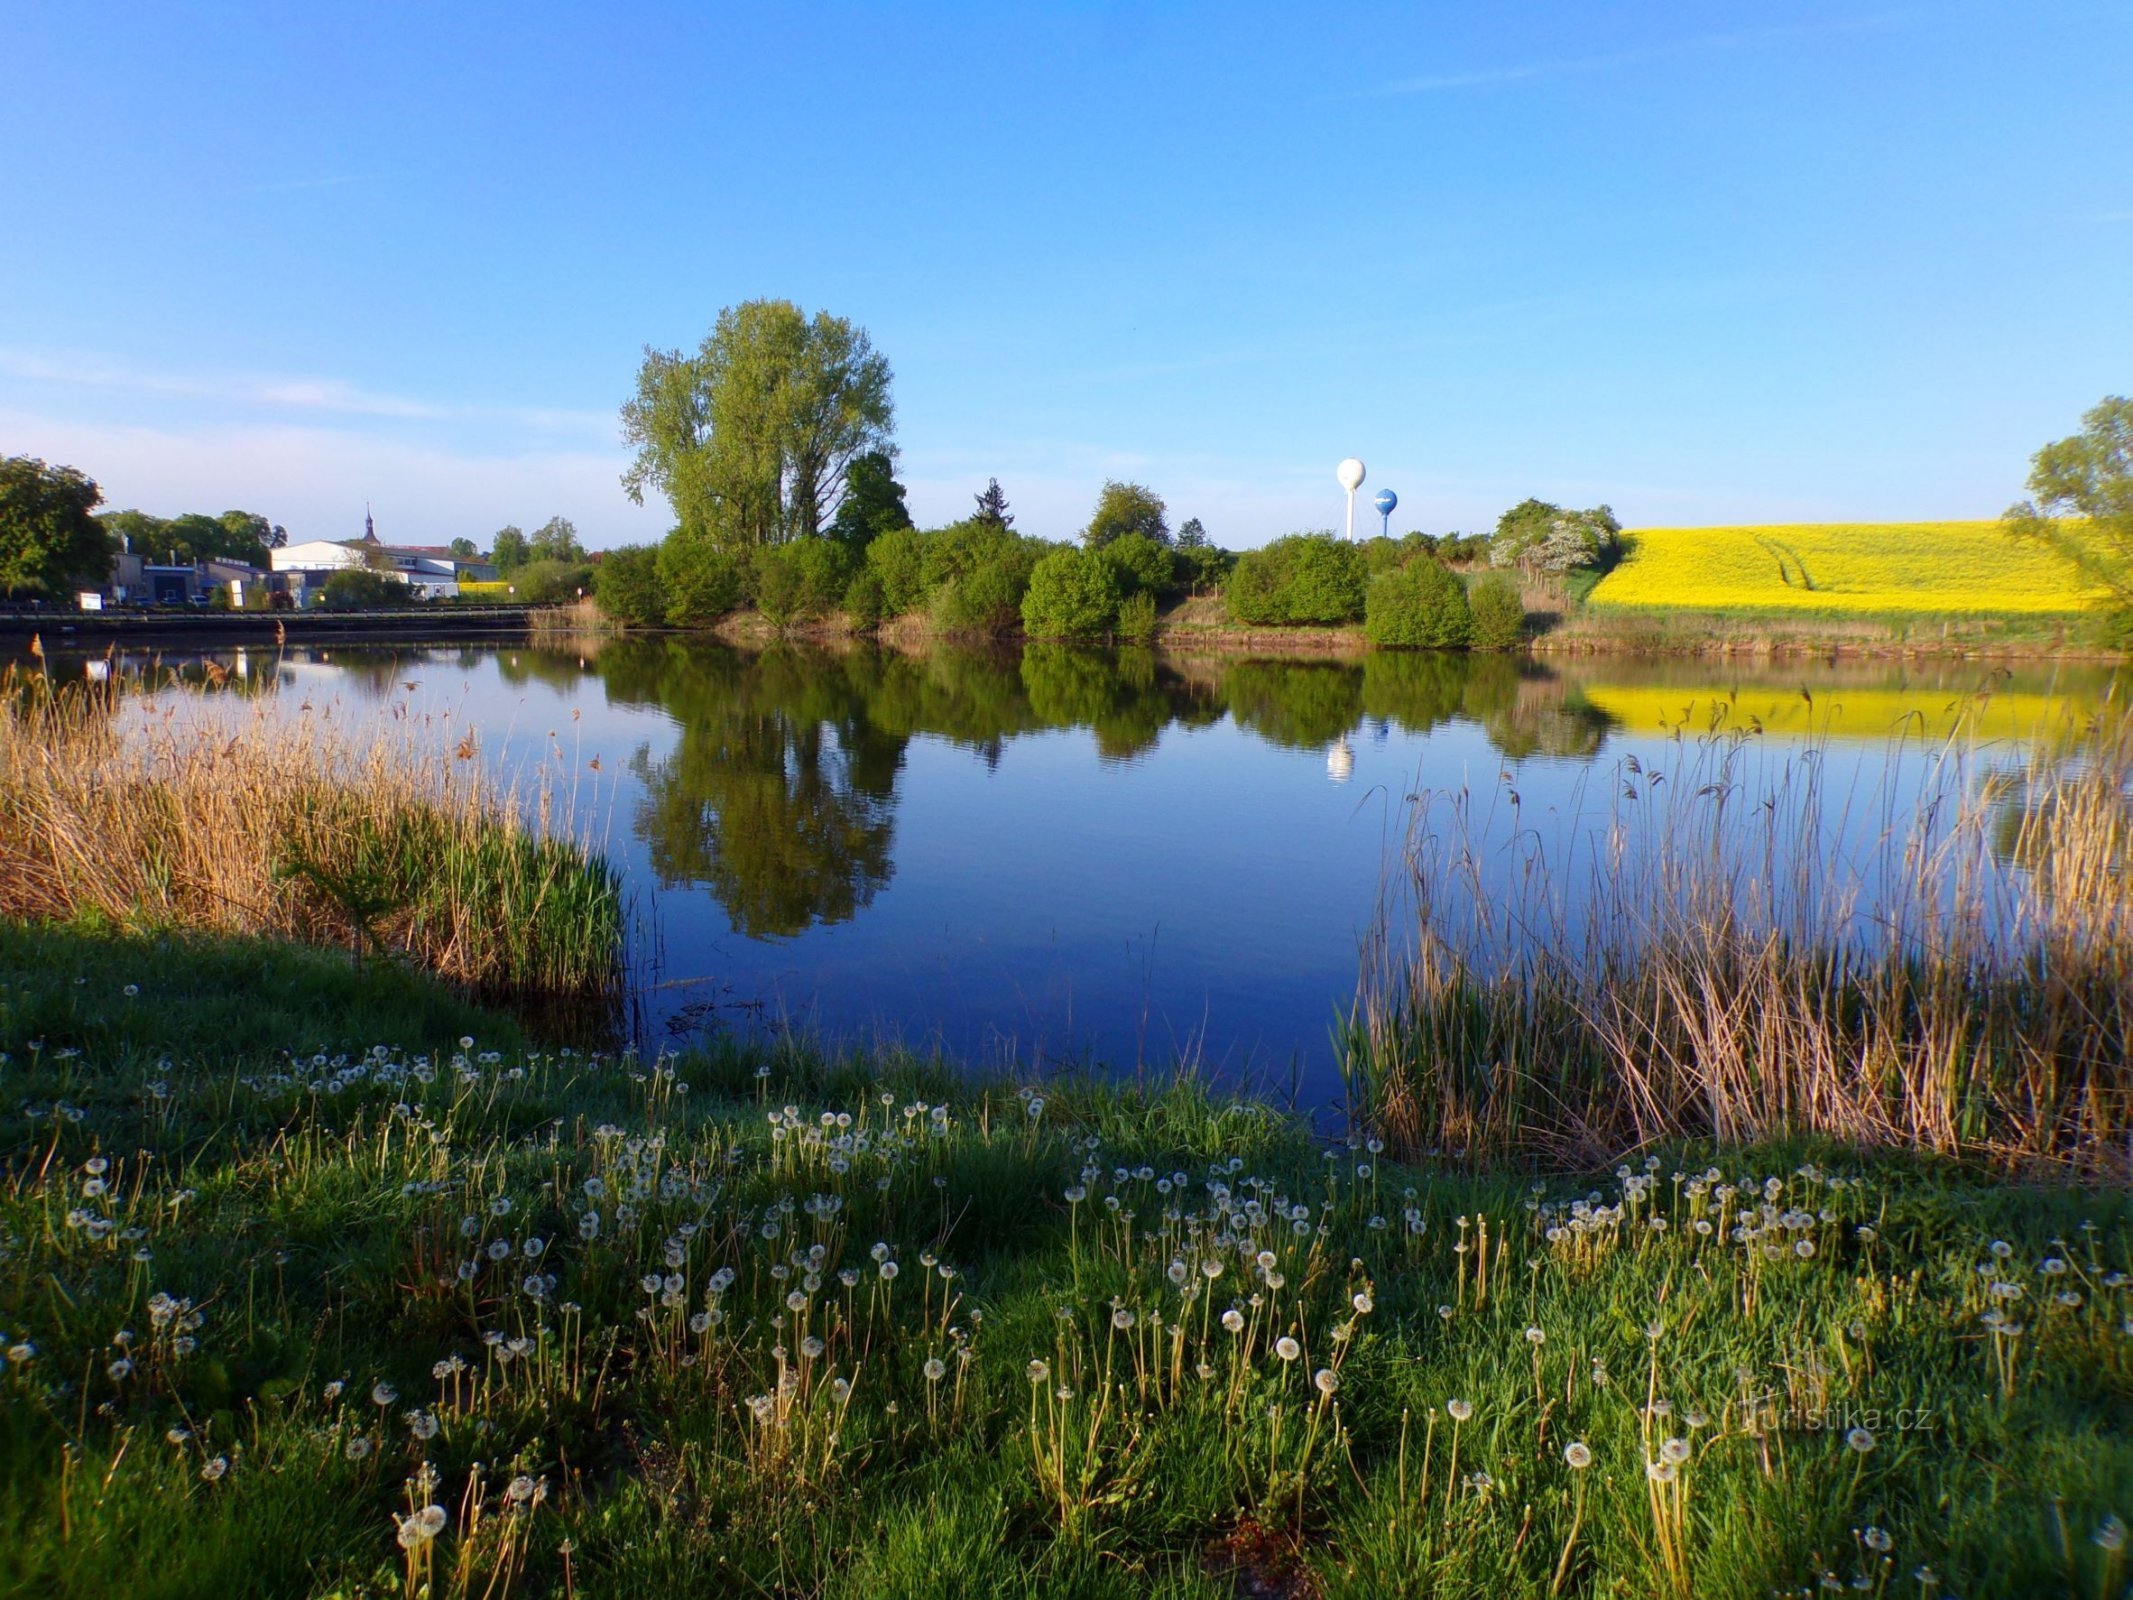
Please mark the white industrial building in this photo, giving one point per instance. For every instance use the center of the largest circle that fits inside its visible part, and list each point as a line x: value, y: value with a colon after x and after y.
x: 429, y: 571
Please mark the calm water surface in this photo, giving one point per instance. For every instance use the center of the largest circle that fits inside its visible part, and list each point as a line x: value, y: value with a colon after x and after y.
x: 1062, y: 856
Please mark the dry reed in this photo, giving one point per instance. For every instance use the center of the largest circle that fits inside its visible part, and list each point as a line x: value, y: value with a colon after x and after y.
x: 208, y: 811
x: 1747, y: 954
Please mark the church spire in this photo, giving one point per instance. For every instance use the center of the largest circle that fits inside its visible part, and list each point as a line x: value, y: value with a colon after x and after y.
x: 370, y: 529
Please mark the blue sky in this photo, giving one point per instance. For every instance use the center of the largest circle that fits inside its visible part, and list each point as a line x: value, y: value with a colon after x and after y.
x: 1807, y: 261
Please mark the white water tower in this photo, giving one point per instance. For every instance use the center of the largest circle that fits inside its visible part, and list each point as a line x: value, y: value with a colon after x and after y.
x: 1351, y: 474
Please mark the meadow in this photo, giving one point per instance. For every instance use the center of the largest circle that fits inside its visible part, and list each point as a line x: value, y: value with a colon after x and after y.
x: 1847, y: 569
x: 415, y: 1314
x: 1700, y: 1224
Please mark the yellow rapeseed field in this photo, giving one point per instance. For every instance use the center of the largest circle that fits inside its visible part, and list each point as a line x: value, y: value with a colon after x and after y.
x: 1931, y: 567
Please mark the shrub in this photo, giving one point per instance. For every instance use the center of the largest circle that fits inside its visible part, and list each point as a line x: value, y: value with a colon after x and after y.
x: 547, y: 583
x: 1499, y: 613
x: 1303, y: 579
x: 362, y: 590
x: 1143, y: 566
x: 800, y: 580
x: 702, y: 581
x: 1072, y: 595
x: 864, y: 605
x: 897, y: 560
x: 983, y: 603
x: 1545, y: 538
x: 627, y: 585
x: 1419, y: 606
x: 1136, y: 618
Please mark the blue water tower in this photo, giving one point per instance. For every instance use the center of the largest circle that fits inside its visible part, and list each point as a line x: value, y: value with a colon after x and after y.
x: 1386, y: 500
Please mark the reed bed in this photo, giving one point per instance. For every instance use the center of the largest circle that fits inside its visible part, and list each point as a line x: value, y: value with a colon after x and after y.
x: 1743, y: 951
x: 201, y: 811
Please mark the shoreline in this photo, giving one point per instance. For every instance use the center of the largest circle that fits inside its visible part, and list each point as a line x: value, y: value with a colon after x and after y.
x: 75, y: 630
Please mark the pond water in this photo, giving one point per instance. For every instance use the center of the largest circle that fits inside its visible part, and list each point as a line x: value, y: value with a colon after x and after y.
x: 1065, y: 856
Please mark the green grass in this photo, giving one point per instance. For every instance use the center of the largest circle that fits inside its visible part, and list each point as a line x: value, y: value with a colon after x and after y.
x: 1878, y: 570
x: 316, y: 1215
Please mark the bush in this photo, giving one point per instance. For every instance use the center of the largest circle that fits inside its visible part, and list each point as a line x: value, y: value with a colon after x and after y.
x: 1499, y: 613
x: 897, y: 560
x: 1072, y: 595
x: 1306, y: 578
x: 800, y: 580
x: 627, y: 585
x: 1419, y: 606
x: 1143, y: 566
x: 548, y: 583
x: 984, y: 603
x: 1136, y: 618
x: 702, y: 581
x: 864, y: 606
x: 362, y: 590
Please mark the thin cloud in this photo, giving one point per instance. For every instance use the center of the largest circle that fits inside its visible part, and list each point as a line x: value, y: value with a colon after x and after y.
x: 1492, y: 77
x: 329, y: 396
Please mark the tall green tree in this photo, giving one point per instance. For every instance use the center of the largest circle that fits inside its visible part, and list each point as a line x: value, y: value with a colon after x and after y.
x: 1193, y: 535
x: 50, y: 541
x: 1124, y: 508
x: 752, y: 438
x: 2083, y: 510
x: 509, y: 550
x: 873, y: 501
x: 555, y: 540
x: 464, y: 548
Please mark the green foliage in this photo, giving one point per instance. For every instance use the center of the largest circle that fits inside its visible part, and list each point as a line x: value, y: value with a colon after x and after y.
x: 752, y: 438
x: 897, y: 561
x: 1303, y: 579
x: 1203, y: 568
x: 1126, y: 508
x: 985, y: 602
x: 1143, y: 566
x: 1192, y: 535
x: 555, y: 540
x: 2083, y: 510
x: 963, y: 547
x: 873, y: 502
x: 1073, y: 594
x: 509, y: 550
x: 50, y: 543
x: 1541, y: 537
x: 549, y: 582
x: 1136, y: 618
x: 1499, y: 613
x: 628, y: 586
x: 466, y: 549
x: 800, y: 580
x: 234, y: 536
x: 1420, y: 606
x: 864, y: 603
x: 360, y: 589
x: 703, y: 581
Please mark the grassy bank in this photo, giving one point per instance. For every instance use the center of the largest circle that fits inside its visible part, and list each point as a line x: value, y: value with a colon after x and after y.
x: 318, y: 1295
x: 208, y: 811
